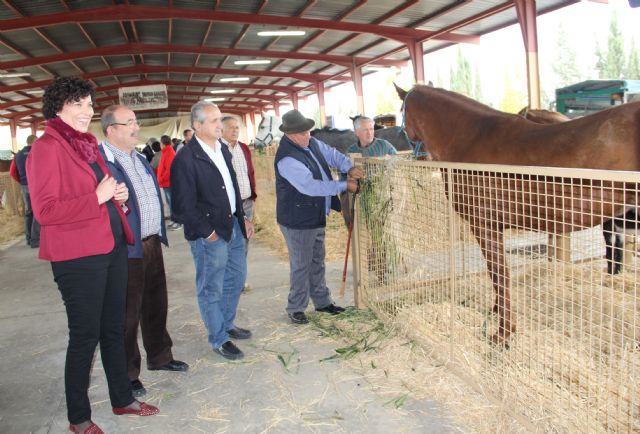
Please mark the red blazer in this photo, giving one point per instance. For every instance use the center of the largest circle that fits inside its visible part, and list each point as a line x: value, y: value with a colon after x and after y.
x: 64, y: 201
x: 164, y: 168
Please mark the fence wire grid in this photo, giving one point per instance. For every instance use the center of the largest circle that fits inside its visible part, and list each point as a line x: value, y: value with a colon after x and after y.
x: 566, y: 354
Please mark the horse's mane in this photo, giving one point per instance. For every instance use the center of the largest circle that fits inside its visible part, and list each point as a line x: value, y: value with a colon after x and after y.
x: 461, y: 100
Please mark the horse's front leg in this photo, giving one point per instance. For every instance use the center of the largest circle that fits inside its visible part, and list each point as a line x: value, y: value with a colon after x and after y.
x: 491, y: 240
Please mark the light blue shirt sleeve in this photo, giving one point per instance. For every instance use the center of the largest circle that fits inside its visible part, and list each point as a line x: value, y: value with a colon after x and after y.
x: 301, y: 178
x: 334, y: 157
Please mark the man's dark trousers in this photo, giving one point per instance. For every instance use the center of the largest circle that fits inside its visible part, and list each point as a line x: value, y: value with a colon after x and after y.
x: 147, y: 304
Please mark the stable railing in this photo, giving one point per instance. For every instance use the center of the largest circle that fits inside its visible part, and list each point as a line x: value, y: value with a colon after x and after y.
x: 502, y: 271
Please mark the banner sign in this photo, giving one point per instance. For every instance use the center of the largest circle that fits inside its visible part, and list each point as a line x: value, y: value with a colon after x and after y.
x: 144, y: 97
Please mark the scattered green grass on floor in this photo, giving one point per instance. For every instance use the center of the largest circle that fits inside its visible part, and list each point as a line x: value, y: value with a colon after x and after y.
x: 359, y: 329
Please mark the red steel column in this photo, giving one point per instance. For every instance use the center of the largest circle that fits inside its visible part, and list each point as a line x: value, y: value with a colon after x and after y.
x: 526, y: 10
x: 356, y: 76
x: 13, y: 128
x: 276, y: 108
x: 254, y: 126
x: 417, y: 60
x: 323, y: 113
x: 294, y: 100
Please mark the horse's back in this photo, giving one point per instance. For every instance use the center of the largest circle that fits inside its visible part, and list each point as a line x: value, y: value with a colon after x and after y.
x: 396, y: 136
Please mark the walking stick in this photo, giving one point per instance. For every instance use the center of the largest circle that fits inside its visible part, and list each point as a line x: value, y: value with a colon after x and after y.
x: 350, y: 231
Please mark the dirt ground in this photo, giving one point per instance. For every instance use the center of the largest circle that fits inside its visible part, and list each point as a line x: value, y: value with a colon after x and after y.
x: 283, y: 385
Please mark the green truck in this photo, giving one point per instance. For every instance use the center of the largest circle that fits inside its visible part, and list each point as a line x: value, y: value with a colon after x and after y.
x: 590, y: 96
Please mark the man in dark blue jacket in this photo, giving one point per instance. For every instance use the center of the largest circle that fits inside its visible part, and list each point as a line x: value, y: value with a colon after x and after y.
x: 305, y: 194
x: 31, y: 225
x: 147, y: 300
x: 207, y: 202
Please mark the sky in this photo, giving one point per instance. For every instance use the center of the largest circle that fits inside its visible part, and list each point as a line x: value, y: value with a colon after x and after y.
x: 585, y: 23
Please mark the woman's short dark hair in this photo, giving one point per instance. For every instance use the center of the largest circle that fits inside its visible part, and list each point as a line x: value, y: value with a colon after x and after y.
x: 155, y: 146
x: 63, y: 90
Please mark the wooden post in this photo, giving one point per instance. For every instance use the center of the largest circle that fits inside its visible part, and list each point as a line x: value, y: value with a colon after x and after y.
x: 559, y: 247
x: 628, y: 251
x: 359, y: 299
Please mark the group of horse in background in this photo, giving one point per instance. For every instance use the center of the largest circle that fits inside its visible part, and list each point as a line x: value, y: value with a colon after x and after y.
x: 269, y: 133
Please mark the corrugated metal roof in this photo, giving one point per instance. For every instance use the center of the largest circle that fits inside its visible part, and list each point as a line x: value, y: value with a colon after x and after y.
x: 191, y: 44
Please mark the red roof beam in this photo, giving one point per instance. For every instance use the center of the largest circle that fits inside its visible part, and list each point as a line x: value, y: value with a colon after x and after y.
x: 203, y: 84
x: 23, y: 102
x: 136, y: 48
x: 147, y: 13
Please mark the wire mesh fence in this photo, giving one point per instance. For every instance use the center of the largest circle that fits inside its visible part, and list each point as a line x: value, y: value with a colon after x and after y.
x: 518, y: 277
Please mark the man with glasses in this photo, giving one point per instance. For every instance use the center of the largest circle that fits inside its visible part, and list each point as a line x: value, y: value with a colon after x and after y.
x: 147, y: 299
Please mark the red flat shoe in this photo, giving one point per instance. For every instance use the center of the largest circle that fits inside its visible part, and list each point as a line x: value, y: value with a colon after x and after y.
x: 145, y: 410
x: 91, y: 429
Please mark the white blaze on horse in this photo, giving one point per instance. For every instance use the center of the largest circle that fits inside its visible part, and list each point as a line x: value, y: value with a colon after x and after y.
x: 268, y: 131
x: 609, y: 139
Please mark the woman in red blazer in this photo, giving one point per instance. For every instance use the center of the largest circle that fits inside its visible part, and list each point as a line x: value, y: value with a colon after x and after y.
x: 84, y: 234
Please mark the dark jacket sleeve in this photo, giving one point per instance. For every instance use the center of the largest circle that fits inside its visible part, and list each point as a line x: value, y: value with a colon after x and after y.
x: 184, y: 195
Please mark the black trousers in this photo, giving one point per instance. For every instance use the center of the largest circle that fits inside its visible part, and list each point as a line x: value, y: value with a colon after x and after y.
x: 93, y: 289
x: 147, y: 304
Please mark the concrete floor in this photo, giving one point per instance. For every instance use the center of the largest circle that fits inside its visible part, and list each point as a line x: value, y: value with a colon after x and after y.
x: 257, y: 394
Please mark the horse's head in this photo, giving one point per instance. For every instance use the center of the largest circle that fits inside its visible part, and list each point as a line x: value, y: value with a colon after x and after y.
x: 410, y: 123
x: 268, y: 129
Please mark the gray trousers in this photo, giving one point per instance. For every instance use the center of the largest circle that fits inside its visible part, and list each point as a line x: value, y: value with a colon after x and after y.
x: 307, y: 270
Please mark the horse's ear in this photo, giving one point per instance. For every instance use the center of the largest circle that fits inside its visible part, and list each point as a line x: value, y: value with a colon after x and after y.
x: 430, y: 84
x: 401, y: 93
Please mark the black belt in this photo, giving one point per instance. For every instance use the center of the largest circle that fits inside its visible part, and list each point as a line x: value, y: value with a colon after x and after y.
x: 149, y: 237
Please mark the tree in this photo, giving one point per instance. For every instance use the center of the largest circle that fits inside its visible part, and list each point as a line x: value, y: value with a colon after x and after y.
x: 461, y: 80
x: 633, y: 64
x: 611, y: 63
x: 513, y: 99
x: 477, y: 90
x: 387, y: 98
x: 565, y: 66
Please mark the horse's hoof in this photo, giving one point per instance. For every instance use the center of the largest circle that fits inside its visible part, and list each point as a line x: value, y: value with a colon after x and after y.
x: 501, y: 338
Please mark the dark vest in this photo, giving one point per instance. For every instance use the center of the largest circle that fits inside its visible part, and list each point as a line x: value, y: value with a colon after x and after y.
x: 296, y: 210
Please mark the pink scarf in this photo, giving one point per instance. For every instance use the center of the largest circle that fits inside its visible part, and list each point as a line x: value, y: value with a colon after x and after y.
x: 85, y: 144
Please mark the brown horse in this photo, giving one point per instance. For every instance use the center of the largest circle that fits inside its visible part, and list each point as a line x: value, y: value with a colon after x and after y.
x: 458, y: 129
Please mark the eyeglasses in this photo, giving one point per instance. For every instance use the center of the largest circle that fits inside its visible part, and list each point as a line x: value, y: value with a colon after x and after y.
x: 129, y: 123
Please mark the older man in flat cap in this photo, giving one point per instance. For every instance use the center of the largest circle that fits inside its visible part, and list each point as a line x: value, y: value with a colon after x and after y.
x: 306, y: 193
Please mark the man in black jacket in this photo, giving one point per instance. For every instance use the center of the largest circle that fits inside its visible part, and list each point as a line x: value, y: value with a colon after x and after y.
x: 208, y: 203
x: 31, y: 225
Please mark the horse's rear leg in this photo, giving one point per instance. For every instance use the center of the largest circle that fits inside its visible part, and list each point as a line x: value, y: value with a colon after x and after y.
x: 614, y: 245
x: 491, y: 242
